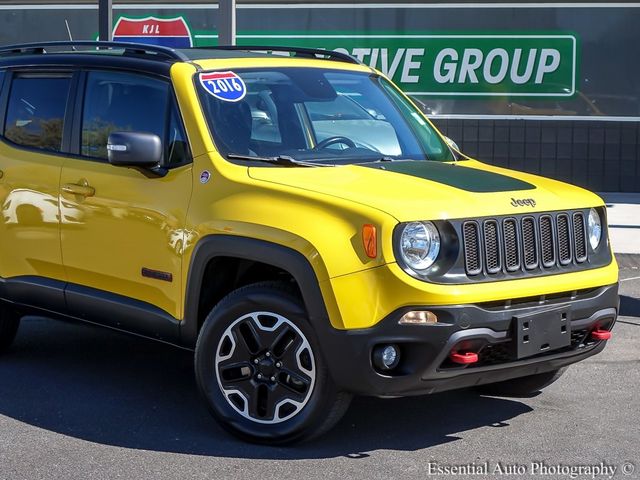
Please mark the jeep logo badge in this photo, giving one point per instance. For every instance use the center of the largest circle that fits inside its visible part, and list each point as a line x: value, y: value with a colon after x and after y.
x: 523, y: 202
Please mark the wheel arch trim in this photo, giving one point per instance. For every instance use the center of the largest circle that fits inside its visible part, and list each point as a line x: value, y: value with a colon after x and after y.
x: 263, y: 251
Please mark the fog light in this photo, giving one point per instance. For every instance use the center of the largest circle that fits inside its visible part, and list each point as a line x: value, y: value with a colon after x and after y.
x: 386, y: 357
x: 423, y: 317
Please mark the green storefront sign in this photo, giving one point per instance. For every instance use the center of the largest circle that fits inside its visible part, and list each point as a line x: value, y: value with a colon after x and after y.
x: 438, y: 65
x: 455, y: 65
x: 444, y: 65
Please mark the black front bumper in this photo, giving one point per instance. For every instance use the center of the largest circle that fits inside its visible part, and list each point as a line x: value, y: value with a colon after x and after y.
x: 424, y: 364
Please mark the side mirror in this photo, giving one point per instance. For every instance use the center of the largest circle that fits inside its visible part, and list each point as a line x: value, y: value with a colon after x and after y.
x: 452, y: 144
x: 135, y: 149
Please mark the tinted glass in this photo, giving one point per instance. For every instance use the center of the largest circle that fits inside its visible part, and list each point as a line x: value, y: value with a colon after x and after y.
x: 264, y: 116
x: 35, y: 114
x: 177, y: 150
x: 318, y: 114
x: 117, y: 102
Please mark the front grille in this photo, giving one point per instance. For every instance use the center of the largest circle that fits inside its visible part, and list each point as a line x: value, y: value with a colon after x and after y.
x: 523, y: 244
x: 546, y: 241
x: 495, y: 353
x: 579, y: 338
x: 492, y: 246
x: 472, y: 261
x: 505, y: 352
x: 512, y: 256
x: 579, y: 235
x: 564, y: 242
x: 529, y: 246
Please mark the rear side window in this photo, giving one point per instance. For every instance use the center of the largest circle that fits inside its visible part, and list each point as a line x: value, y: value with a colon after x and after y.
x: 35, y: 114
x: 119, y: 102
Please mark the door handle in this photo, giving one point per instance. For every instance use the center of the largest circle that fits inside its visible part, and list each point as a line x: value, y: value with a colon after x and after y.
x: 83, y: 189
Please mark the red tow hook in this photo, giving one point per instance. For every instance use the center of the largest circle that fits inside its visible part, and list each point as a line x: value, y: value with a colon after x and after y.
x: 463, y: 358
x: 599, y: 334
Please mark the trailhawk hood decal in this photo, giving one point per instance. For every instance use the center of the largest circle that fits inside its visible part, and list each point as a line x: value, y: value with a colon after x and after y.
x: 429, y: 190
x: 469, y: 179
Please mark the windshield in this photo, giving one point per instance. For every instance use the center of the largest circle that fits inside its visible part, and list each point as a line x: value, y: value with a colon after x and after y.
x: 315, y: 115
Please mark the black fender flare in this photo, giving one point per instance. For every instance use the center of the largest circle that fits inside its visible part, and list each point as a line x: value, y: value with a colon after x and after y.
x: 246, y: 248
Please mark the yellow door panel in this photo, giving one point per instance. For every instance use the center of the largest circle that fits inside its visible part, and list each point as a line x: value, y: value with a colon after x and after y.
x: 125, y: 221
x: 29, y: 228
x: 30, y: 172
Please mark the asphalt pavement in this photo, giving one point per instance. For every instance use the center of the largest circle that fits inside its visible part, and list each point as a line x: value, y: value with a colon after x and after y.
x: 81, y: 402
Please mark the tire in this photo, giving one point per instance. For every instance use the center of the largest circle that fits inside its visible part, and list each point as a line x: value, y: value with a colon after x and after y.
x: 259, y: 368
x: 523, y: 386
x: 9, y: 323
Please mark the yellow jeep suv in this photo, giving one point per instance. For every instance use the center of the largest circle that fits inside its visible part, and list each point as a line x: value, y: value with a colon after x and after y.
x: 291, y: 216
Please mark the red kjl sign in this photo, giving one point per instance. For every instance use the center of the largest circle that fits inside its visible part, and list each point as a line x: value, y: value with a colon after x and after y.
x: 168, y: 32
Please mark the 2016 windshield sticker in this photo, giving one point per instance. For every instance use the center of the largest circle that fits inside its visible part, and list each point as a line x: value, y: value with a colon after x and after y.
x: 225, y: 86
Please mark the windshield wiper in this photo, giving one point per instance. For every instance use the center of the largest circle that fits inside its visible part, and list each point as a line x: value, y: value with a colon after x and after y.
x: 282, y: 160
x: 388, y: 158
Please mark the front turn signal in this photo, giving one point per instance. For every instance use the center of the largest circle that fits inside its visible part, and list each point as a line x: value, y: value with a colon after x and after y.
x: 369, y: 240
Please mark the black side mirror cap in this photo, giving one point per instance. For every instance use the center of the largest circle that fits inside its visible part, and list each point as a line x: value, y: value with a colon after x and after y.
x: 136, y: 150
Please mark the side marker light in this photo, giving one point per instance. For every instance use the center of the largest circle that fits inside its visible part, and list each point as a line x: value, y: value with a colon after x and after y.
x: 369, y: 240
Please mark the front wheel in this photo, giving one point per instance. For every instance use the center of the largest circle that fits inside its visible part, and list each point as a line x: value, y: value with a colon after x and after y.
x: 260, y: 370
x: 524, y: 386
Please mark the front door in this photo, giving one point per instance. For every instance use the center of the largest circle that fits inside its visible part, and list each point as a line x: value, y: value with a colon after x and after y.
x: 129, y: 235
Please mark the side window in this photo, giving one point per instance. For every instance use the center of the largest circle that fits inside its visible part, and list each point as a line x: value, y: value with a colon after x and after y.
x: 176, y: 145
x: 116, y: 102
x: 35, y: 113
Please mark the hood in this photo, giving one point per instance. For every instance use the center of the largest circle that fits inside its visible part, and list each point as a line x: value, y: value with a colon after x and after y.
x: 424, y: 190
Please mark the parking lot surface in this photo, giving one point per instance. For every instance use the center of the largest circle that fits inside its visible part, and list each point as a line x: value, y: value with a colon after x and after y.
x: 81, y: 402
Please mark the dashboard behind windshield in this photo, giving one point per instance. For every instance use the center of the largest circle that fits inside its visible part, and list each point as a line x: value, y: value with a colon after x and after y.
x: 316, y: 114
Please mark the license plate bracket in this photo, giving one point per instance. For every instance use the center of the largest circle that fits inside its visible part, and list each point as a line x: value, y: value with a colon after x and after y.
x: 541, y: 332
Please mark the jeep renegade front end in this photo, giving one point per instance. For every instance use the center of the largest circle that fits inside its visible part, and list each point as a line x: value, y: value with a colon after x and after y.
x: 297, y: 221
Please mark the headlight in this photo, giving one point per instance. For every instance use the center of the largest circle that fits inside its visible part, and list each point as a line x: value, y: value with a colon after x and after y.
x: 595, y: 228
x: 419, y: 245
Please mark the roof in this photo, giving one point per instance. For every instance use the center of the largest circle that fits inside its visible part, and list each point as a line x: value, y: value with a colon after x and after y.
x: 151, y: 58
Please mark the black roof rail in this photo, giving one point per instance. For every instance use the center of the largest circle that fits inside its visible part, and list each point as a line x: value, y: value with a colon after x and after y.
x: 158, y: 51
x: 128, y: 47
x: 299, y: 51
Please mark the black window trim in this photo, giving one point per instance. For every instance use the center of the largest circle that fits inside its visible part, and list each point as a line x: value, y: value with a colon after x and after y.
x: 4, y: 95
x: 79, y: 99
x: 10, y: 74
x: 4, y: 99
x: 172, y: 106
